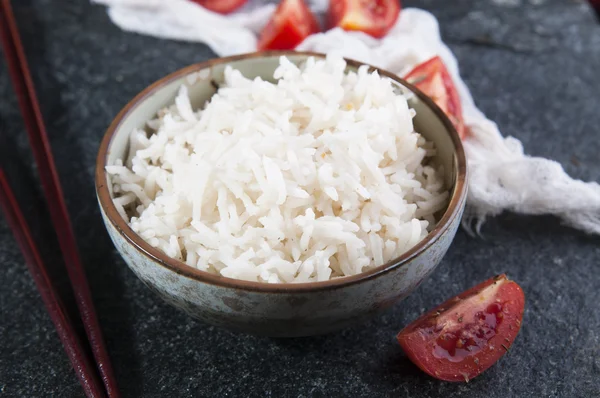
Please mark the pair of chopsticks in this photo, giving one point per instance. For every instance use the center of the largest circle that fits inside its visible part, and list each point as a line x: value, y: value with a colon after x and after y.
x: 95, y: 374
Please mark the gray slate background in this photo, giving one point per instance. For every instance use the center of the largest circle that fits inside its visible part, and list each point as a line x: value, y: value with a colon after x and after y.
x: 534, y: 68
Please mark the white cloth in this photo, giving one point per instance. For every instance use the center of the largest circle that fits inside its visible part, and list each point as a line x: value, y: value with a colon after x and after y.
x: 501, y: 176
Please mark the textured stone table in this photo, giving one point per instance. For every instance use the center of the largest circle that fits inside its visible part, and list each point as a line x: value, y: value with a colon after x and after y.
x: 533, y: 67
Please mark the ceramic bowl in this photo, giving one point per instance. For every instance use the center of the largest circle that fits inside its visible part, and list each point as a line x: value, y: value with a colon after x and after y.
x: 276, y: 309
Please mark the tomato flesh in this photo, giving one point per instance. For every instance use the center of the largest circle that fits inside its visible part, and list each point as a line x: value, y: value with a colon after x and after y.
x: 291, y: 23
x: 221, y: 6
x: 467, y: 334
x: 374, y: 17
x: 433, y: 79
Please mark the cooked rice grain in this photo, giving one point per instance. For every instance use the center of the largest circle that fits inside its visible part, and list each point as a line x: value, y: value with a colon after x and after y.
x: 317, y: 176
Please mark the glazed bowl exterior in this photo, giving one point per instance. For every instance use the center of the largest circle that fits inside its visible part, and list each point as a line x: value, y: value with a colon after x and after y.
x: 276, y: 309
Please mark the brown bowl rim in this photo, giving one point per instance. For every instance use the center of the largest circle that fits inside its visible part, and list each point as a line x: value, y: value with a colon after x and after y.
x: 179, y: 267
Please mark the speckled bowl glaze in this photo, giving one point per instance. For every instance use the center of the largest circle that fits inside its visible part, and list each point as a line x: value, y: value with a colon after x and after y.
x: 276, y: 309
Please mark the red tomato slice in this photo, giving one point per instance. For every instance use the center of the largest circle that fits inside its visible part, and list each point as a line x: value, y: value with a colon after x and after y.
x: 221, y: 6
x: 468, y: 333
x: 290, y: 25
x: 433, y: 79
x: 374, y: 17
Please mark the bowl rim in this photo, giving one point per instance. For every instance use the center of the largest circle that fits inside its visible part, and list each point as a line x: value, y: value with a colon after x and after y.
x: 105, y: 200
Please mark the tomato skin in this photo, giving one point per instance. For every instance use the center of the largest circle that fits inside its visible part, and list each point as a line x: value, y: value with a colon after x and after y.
x: 373, y: 17
x: 221, y: 6
x: 467, y: 334
x: 291, y: 23
x: 433, y: 79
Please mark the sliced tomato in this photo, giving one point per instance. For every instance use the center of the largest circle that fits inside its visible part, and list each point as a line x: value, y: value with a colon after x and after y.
x: 433, y: 79
x: 291, y: 23
x: 468, y: 333
x: 374, y: 17
x: 221, y: 6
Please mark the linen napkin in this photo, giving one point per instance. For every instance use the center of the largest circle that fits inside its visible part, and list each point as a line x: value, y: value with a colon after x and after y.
x: 501, y: 176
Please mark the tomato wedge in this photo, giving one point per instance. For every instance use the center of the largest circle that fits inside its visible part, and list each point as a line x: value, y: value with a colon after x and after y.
x: 291, y: 23
x: 373, y: 17
x: 221, y: 6
x: 433, y: 79
x: 468, y: 333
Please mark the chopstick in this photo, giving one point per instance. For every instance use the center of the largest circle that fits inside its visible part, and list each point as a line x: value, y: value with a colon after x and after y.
x: 84, y: 368
x: 23, y: 84
x: 596, y: 7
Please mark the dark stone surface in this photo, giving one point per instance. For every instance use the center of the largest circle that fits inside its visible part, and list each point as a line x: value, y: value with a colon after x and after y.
x: 533, y: 68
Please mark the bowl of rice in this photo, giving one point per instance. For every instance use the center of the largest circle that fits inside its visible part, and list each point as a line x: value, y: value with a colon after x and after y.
x: 281, y: 193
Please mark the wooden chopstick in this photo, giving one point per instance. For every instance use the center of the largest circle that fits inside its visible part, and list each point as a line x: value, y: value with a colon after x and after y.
x: 23, y: 84
x: 84, y: 368
x: 596, y: 7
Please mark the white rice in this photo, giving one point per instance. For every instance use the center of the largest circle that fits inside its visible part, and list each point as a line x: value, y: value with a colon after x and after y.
x: 317, y: 176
